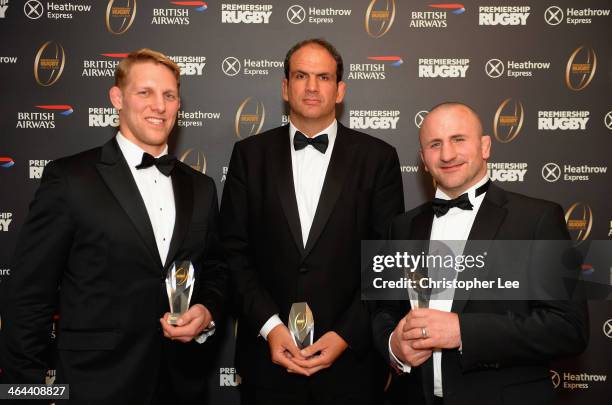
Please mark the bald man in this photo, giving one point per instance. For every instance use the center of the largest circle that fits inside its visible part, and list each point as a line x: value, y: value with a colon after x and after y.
x: 468, y: 351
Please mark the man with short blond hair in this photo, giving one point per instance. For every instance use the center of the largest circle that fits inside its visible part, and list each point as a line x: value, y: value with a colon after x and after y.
x: 103, y: 230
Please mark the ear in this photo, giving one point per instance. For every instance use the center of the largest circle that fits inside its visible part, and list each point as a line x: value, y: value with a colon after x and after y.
x: 285, y: 90
x: 341, y: 92
x: 485, y: 145
x: 423, y: 160
x: 116, y: 97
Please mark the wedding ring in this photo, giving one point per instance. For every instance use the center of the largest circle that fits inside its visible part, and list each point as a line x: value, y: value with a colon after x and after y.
x: 424, y: 333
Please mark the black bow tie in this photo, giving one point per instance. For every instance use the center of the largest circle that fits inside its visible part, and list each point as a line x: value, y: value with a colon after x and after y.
x: 441, y: 207
x: 164, y: 164
x: 300, y: 141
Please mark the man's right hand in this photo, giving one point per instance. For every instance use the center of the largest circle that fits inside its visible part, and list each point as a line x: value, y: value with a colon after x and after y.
x: 283, y: 350
x: 402, y: 347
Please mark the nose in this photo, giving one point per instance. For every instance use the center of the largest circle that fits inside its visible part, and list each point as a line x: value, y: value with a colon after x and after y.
x: 158, y: 103
x: 312, y: 85
x: 448, y: 152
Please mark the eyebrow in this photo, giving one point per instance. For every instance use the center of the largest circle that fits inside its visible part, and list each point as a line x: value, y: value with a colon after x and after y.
x: 308, y: 73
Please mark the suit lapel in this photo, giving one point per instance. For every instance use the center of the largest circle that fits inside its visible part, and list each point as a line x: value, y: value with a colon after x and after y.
x: 281, y: 167
x: 116, y: 174
x: 486, y: 225
x: 334, y: 181
x: 183, y: 201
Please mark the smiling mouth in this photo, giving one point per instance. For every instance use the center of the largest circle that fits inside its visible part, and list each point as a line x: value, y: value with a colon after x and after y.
x: 155, y: 121
x: 451, y: 168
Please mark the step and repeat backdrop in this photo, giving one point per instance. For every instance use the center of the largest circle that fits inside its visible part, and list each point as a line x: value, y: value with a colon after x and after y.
x: 538, y: 72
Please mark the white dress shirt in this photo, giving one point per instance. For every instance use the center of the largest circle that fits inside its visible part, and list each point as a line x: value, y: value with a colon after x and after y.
x: 455, y: 225
x: 309, y: 169
x: 156, y: 192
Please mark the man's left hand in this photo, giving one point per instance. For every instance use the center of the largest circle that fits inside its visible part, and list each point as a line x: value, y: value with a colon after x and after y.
x: 441, y: 329
x: 322, y: 353
x: 189, y: 326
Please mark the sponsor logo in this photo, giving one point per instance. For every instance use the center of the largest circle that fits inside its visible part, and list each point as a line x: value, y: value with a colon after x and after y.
x: 233, y: 66
x: 374, y: 119
x: 579, y: 219
x: 379, y: 17
x: 375, y: 70
x: 507, y: 172
x: 434, y: 19
x: 49, y: 63
x: 3, y: 7
x: 250, y: 117
x: 190, y: 65
x: 195, y: 159
x: 5, y: 220
x: 551, y: 172
x: 120, y: 15
x: 33, y: 9
x: 410, y: 169
x: 419, y: 117
x: 607, y: 328
x: 575, y: 381
x: 42, y: 120
x: 580, y: 68
x: 508, y: 120
x: 103, y: 117
x: 443, y: 68
x: 608, y: 120
x: 246, y: 13
x: 102, y: 67
x: 8, y: 59
x: 6, y: 162
x: 56, y: 10
x: 503, y: 15
x: 562, y: 120
x: 186, y: 119
x: 37, y: 167
x: 495, y: 68
x: 554, y: 15
x: 179, y: 14
x: 228, y: 377
x: 297, y: 14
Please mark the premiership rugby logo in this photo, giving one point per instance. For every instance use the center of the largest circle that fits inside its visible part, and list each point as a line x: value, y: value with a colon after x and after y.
x: 374, y: 119
x: 379, y: 17
x: 508, y: 120
x: 580, y: 69
x: 503, y: 15
x: 579, y: 219
x: 195, y: 159
x: 250, y: 118
x: 246, y: 13
x: 49, y: 63
x: 119, y: 18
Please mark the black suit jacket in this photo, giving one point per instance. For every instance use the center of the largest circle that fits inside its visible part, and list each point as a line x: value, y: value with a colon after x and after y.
x: 506, y: 345
x: 88, y: 234
x: 271, y: 269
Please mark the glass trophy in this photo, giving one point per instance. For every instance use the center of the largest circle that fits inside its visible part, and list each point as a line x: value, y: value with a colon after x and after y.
x: 419, y: 296
x: 179, y: 286
x: 301, y: 324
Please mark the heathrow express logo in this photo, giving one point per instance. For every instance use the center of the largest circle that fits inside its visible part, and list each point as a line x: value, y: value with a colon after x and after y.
x: 555, y: 378
x: 419, y: 117
x: 494, y: 68
x: 553, y: 15
x: 33, y: 9
x: 551, y: 172
x: 608, y: 120
x: 508, y: 120
x: 580, y: 69
x: 379, y: 17
x: 250, y: 117
x: 120, y: 15
x: 297, y: 14
x: 607, y: 328
x: 579, y: 219
x: 49, y: 63
x: 6, y: 162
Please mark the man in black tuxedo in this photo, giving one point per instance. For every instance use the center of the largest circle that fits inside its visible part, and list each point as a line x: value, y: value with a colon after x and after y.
x: 104, y: 228
x: 297, y: 202
x: 466, y: 351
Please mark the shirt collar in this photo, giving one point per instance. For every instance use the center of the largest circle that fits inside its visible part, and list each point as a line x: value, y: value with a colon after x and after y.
x: 132, y: 152
x: 471, y: 192
x: 331, y: 132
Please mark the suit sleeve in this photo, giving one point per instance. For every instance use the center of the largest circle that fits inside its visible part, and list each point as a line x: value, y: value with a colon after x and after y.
x: 30, y: 294
x: 214, y: 271
x: 255, y: 302
x: 387, y: 201
x: 551, y: 329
